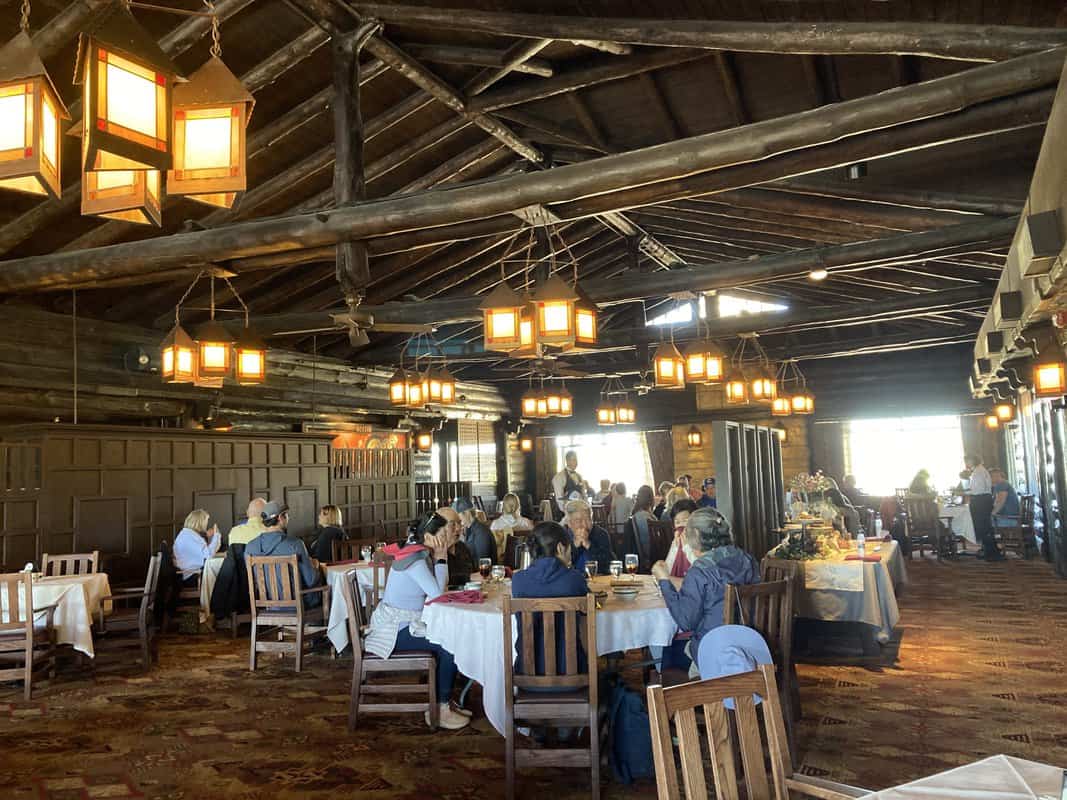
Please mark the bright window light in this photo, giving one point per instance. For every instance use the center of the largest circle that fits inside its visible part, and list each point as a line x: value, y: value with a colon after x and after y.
x: 620, y: 456
x: 677, y: 315
x: 885, y: 454
x: 730, y: 306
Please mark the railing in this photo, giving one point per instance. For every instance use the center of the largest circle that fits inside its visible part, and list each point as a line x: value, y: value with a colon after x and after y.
x: 429, y: 496
x: 356, y: 464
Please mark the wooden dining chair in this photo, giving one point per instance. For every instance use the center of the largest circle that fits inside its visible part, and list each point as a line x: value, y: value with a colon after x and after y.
x: 349, y: 549
x: 1019, y: 536
x: 767, y: 607
x: 924, y: 528
x: 277, y: 603
x: 727, y: 731
x: 547, y: 696
x: 27, y: 635
x: 360, y: 603
x: 70, y: 564
x: 131, y: 622
x: 660, y: 538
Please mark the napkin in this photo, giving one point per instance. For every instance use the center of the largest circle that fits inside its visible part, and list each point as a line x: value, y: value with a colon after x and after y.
x: 856, y: 557
x: 468, y: 596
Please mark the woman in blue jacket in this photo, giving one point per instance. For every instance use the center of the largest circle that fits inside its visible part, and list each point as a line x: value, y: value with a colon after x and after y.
x: 698, y: 605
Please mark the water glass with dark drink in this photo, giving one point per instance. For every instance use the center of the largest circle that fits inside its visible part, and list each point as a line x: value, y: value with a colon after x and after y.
x: 485, y: 566
x: 631, y: 564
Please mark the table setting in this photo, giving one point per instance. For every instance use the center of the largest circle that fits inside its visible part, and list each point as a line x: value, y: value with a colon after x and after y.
x: 77, y: 598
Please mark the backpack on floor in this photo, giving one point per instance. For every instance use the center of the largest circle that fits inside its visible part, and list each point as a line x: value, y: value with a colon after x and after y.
x: 630, y: 746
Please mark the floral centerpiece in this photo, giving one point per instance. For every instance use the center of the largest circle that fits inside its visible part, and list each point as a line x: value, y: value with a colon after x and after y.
x: 808, y: 545
x: 809, y: 496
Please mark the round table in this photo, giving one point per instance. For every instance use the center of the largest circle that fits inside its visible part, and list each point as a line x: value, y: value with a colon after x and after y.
x: 474, y: 634
x: 960, y: 520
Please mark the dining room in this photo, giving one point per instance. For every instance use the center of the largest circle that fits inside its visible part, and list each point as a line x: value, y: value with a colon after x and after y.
x: 464, y: 399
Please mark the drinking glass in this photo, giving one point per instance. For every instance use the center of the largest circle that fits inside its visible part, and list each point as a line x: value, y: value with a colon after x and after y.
x: 616, y: 568
x: 366, y: 552
x: 485, y: 565
x: 590, y: 569
x: 498, y: 572
x: 631, y: 564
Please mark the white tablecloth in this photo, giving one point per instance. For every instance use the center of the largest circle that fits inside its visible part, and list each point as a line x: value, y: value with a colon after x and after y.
x: 876, y: 605
x: 77, y: 598
x: 474, y: 634
x: 337, y: 627
x: 962, y: 524
x: 996, y: 778
x: 208, y: 577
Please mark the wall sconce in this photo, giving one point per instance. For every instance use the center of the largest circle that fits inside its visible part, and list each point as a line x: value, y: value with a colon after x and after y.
x: 694, y: 438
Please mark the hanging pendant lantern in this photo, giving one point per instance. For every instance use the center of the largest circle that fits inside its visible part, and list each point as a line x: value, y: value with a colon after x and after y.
x: 803, y: 402
x: 554, y: 323
x: 130, y: 195
x: 625, y: 413
x: 696, y: 363
x: 178, y: 357
x: 736, y: 391
x: 214, y: 345
x: 1005, y: 411
x: 398, y: 387
x: 211, y: 112
x: 793, y: 388
x: 781, y: 406
x: 526, y: 444
x: 714, y: 365
x: 127, y: 83
x: 585, y: 319
x: 541, y: 404
x: 529, y: 404
x: 566, y: 403
x: 250, y: 359
x: 694, y: 439
x: 448, y: 386
x: 668, y: 367
x: 30, y: 114
x: 553, y: 401
x: 424, y: 441
x: 763, y: 388
x: 1050, y: 379
x: 501, y: 310
x: 605, y: 412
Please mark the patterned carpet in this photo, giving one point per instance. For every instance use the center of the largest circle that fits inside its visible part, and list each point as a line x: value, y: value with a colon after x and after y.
x: 980, y: 669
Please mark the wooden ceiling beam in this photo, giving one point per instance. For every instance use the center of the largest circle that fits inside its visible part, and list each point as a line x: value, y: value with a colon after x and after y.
x: 656, y: 171
x: 731, y: 85
x: 515, y: 59
x: 937, y: 40
x: 478, y: 57
x: 905, y: 198
x: 588, y: 122
x: 659, y: 102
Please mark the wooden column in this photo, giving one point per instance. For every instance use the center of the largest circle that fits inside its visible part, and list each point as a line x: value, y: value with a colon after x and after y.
x: 349, y: 183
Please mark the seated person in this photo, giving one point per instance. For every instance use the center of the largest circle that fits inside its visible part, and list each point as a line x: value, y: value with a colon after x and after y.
x: 589, y: 542
x: 621, y: 506
x: 707, y: 499
x: 676, y: 494
x: 854, y: 495
x: 251, y: 527
x: 662, y: 507
x: 275, y: 541
x: 849, y: 513
x: 327, y: 532
x: 638, y: 538
x: 550, y: 575
x: 604, y: 493
x: 461, y: 564
x: 681, y: 556
x: 1005, y: 500
x: 698, y: 605
x: 419, y: 572
x: 510, y: 522
x: 920, y: 485
x: 198, y: 540
x: 476, y: 535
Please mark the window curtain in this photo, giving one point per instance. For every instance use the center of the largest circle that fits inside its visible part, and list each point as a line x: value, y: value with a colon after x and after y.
x: 660, y: 455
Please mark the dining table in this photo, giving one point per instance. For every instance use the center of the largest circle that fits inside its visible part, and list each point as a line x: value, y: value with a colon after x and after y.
x: 999, y: 777
x: 474, y: 632
x: 77, y: 598
x: 959, y: 519
x: 837, y: 588
x: 337, y: 623
x: 208, y: 577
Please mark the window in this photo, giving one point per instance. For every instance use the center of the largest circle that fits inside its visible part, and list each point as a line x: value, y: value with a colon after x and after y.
x: 477, y: 452
x: 726, y: 306
x: 730, y: 306
x: 885, y: 454
x: 619, y: 456
x: 678, y: 314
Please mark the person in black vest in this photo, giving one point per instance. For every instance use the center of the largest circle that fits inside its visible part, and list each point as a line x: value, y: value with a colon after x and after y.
x: 567, y: 484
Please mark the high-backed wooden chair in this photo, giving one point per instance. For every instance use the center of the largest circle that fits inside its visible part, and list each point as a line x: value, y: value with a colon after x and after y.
x: 768, y: 608
x: 729, y: 727
x: 70, y: 564
x: 573, y: 701
x: 27, y: 638
x: 131, y: 622
x: 1018, y: 537
x: 781, y: 569
x: 360, y: 604
x: 349, y: 549
x: 660, y: 537
x: 277, y: 603
x: 924, y: 527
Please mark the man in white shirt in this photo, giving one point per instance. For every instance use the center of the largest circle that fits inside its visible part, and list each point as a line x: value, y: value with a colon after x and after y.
x: 980, y: 501
x: 568, y: 482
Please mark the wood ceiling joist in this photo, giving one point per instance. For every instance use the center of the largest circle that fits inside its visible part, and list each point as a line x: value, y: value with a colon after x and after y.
x: 908, y: 198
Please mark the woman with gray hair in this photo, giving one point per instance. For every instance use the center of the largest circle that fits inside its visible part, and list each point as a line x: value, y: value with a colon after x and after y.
x: 698, y: 605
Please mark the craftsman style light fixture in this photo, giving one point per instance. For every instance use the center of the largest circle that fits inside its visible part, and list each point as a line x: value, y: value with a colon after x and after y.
x: 555, y: 322
x: 751, y: 377
x: 625, y: 413
x: 438, y: 386
x: 553, y: 401
x: 250, y: 359
x: 585, y: 319
x: 424, y: 441
x: 694, y: 438
x: 130, y: 195
x: 502, y: 310
x: 781, y: 406
x: 1050, y: 378
x: 668, y: 367
x: 214, y: 346
x: 178, y: 356
x: 566, y: 402
x: 793, y: 388
x: 696, y: 363
x: 529, y: 404
x: 764, y: 388
x: 210, y: 115
x: 30, y: 114
x: 736, y: 390
x: 605, y: 412
x: 992, y: 422
x: 398, y: 388
x: 541, y: 406
x: 526, y: 444
x: 1005, y: 411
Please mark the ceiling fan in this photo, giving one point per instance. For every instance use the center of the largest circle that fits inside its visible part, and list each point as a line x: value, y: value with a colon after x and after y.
x: 357, y: 324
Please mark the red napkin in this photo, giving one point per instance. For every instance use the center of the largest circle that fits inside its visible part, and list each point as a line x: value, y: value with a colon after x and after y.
x: 856, y: 557
x: 468, y: 596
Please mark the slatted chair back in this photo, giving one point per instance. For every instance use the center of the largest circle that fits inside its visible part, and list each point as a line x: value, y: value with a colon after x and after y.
x: 380, y: 566
x: 274, y: 587
x: 16, y: 608
x: 599, y: 514
x: 546, y: 616
x: 922, y: 515
x: 358, y: 616
x: 1026, y: 511
x: 778, y: 569
x: 511, y: 550
x: 660, y: 537
x: 1018, y: 536
x: 902, y: 494
x: 767, y: 607
x: 726, y: 732
x: 70, y: 564
x: 349, y: 549
x: 146, y: 614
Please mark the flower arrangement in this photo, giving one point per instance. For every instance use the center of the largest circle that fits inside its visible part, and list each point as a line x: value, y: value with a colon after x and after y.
x: 809, y: 483
x: 808, y: 546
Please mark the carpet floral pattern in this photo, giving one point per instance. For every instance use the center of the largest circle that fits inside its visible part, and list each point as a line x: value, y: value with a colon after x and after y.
x: 980, y: 668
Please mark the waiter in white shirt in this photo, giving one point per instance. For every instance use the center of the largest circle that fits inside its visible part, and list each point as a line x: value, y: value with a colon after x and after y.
x: 568, y: 482
x: 980, y: 493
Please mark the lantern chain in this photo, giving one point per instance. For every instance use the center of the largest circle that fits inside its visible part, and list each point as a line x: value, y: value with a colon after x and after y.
x: 24, y: 19
x: 216, y: 46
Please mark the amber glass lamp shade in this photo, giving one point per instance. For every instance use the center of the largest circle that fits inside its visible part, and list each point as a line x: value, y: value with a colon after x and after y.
x: 668, y: 367
x: 555, y: 322
x: 625, y: 413
x: 696, y: 363
x: 1005, y: 411
x: 763, y: 388
x: 30, y: 115
x: 992, y: 422
x: 424, y: 441
x: 541, y: 405
x: 214, y: 351
x: 803, y: 402
x: 130, y: 195
x: 553, y: 402
x: 211, y: 112
x: 398, y: 388
x: 1050, y: 379
x: 694, y: 438
x: 585, y: 319
x: 529, y: 404
x: 566, y: 403
x: 250, y: 359
x: 526, y: 444
x: 605, y: 413
x: 736, y: 391
x: 448, y: 386
x: 415, y: 397
x: 781, y: 406
x: 501, y: 312
x: 178, y: 357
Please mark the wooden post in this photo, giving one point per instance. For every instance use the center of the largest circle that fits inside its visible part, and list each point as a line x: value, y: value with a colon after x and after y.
x: 349, y: 184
